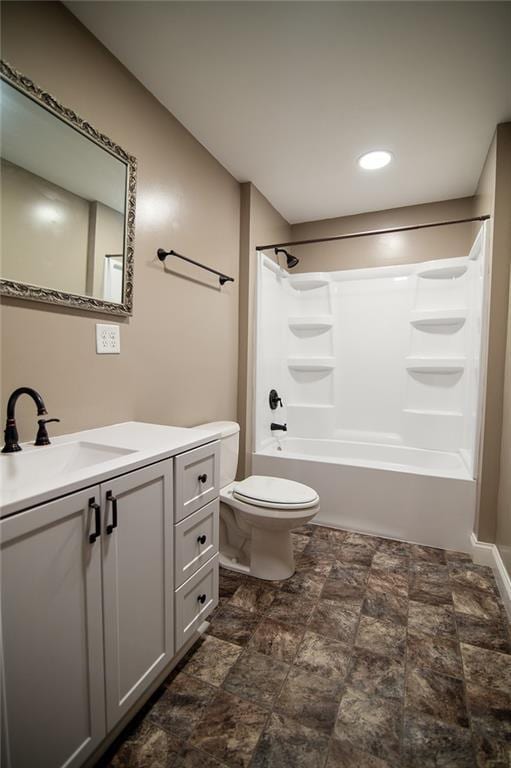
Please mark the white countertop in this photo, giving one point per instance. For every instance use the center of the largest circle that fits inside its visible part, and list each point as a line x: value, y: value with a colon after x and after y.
x: 146, y: 443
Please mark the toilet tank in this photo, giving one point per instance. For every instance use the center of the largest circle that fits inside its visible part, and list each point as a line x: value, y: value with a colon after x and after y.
x: 229, y: 447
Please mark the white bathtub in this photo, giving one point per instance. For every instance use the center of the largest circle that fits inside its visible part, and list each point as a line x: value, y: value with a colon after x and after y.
x: 388, y: 490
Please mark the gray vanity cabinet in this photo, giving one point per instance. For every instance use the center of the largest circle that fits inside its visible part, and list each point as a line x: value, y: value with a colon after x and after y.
x: 87, y: 623
x: 97, y: 602
x: 138, y: 590
x: 52, y: 634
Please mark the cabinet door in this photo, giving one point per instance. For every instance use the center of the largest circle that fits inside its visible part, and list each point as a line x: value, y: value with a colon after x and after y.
x: 138, y: 588
x: 52, y: 634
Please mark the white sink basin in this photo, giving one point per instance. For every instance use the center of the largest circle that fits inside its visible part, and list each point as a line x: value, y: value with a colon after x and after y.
x: 38, y: 474
x: 32, y: 467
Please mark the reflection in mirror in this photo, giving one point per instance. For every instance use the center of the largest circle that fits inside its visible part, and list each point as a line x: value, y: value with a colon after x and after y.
x: 64, y: 205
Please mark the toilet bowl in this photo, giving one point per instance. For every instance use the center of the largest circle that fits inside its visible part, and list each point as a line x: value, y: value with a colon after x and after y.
x: 258, y: 514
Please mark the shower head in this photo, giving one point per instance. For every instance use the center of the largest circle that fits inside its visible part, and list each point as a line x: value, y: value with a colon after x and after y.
x: 291, y: 261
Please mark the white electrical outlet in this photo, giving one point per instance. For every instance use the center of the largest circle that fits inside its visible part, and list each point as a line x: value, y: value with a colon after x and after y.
x: 108, y: 339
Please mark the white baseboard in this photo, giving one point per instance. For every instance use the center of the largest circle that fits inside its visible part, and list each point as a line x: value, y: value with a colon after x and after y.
x: 484, y: 553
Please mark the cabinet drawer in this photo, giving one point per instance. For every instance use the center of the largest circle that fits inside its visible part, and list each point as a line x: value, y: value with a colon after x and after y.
x: 195, y: 541
x: 195, y: 599
x: 196, y: 475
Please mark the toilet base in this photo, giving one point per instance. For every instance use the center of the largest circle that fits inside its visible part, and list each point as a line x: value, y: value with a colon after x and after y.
x: 231, y: 564
x: 271, y: 554
x: 257, y: 541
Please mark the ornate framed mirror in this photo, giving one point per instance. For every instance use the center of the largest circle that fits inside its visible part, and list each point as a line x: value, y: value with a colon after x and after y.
x: 68, y: 204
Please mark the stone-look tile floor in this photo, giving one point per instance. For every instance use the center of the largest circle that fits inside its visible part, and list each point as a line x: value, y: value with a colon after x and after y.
x: 375, y: 654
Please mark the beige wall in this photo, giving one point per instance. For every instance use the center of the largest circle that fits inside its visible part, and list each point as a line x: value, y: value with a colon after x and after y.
x: 44, y: 230
x: 178, y: 361
x: 502, y: 263
x: 381, y: 250
x: 494, y: 196
x: 503, y: 536
x: 260, y: 222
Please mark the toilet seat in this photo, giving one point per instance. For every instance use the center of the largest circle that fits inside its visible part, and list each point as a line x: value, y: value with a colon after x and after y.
x: 274, y: 492
x: 257, y: 515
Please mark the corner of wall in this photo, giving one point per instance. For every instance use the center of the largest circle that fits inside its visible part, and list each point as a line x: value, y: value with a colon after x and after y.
x: 259, y: 222
x: 493, y: 196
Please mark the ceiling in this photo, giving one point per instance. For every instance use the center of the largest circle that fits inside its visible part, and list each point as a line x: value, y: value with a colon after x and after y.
x: 289, y: 94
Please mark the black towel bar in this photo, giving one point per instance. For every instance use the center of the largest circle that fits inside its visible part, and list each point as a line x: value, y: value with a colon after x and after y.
x: 162, y: 255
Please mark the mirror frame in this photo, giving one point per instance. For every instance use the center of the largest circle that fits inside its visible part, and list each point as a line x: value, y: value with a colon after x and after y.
x: 19, y: 290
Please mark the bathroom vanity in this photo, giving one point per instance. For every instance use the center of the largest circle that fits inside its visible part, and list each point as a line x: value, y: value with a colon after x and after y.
x: 109, y: 564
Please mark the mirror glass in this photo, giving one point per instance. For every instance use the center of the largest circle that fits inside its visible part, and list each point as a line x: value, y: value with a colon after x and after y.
x: 64, y: 198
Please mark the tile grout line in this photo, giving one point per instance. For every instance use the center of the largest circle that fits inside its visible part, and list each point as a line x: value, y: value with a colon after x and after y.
x: 405, y: 670
x: 245, y: 649
x: 352, y: 648
x: 307, y: 624
x: 272, y: 708
x: 221, y: 689
x: 218, y: 688
x: 464, y: 681
x: 316, y: 602
x: 332, y: 733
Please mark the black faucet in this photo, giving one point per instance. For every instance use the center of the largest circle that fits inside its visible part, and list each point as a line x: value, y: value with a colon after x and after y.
x: 274, y: 426
x: 11, y: 433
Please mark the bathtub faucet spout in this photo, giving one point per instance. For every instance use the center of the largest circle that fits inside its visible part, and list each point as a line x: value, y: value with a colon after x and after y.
x: 274, y: 426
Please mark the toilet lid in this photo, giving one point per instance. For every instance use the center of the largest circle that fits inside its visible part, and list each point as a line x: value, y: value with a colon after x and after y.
x: 275, y: 492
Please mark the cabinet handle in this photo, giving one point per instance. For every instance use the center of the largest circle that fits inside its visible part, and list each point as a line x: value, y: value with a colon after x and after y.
x: 202, y: 539
x: 203, y: 478
x: 110, y: 497
x: 97, y: 520
x: 201, y: 599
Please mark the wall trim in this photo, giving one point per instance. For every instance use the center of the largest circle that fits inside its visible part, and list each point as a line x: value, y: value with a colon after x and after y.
x: 484, y: 553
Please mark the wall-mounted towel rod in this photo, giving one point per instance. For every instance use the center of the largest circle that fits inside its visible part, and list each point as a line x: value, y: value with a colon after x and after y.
x: 162, y: 255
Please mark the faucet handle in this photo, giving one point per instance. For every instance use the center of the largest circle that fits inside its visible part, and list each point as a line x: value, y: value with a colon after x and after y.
x: 274, y: 399
x: 42, y: 434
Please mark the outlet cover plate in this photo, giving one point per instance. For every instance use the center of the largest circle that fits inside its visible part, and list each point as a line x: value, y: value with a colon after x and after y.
x: 108, y: 339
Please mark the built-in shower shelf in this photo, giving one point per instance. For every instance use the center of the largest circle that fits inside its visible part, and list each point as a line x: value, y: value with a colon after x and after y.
x: 307, y: 282
x: 451, y: 319
x: 317, y: 323
x: 450, y: 272
x: 311, y: 363
x: 429, y: 412
x: 322, y: 406
x: 435, y: 364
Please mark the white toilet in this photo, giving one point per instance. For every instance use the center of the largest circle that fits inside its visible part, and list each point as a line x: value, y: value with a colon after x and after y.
x: 258, y: 514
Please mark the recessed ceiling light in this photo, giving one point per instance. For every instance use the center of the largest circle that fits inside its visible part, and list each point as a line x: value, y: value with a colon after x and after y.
x: 371, y: 161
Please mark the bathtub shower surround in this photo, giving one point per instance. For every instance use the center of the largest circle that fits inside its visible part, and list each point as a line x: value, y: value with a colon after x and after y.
x: 379, y: 370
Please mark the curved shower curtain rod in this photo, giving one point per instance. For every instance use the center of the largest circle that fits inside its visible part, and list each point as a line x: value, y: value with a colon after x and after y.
x: 370, y: 232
